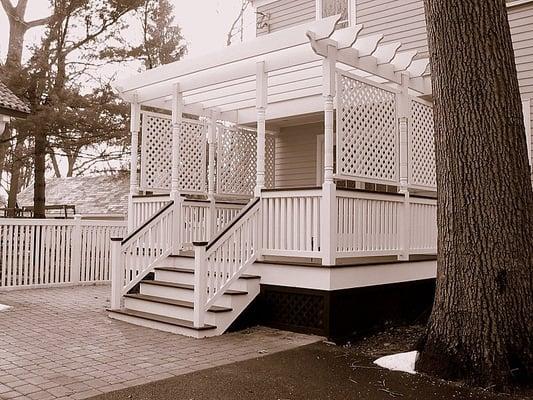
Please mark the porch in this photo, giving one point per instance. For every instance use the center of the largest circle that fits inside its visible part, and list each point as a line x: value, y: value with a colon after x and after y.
x: 221, y: 140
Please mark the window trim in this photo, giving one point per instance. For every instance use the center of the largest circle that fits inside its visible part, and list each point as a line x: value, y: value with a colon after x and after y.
x: 352, y: 17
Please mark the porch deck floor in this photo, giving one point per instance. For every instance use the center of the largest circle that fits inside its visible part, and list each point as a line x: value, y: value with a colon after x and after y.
x: 59, y: 343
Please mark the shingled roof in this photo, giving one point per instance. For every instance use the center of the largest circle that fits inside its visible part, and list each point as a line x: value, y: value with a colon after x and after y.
x: 10, y: 104
x: 91, y: 195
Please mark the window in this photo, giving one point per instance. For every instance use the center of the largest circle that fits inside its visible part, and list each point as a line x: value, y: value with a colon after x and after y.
x: 327, y: 8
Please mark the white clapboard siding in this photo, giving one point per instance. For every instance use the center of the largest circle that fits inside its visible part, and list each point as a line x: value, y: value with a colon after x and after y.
x: 283, y: 14
x: 36, y: 253
x: 398, y: 20
x: 296, y: 156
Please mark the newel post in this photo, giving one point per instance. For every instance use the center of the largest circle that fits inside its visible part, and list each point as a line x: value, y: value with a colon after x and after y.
x: 328, y: 223
x: 117, y: 273
x: 177, y: 116
x: 75, y: 268
x: 200, y: 283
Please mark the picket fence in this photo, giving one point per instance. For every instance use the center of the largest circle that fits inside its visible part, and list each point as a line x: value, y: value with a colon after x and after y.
x: 47, y: 252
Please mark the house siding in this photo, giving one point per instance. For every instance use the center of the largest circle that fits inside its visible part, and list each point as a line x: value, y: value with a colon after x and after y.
x: 284, y: 14
x: 296, y: 156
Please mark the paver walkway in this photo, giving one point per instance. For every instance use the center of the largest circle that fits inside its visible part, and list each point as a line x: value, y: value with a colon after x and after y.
x: 59, y: 343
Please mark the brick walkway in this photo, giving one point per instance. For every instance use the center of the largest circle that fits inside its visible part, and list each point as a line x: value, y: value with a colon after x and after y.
x: 59, y: 343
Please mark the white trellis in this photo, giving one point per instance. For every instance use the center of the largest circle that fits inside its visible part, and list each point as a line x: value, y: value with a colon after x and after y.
x: 270, y: 161
x: 236, y: 161
x: 367, y: 131
x: 156, y: 153
x: 156, y: 160
x: 421, y: 146
x: 192, y: 171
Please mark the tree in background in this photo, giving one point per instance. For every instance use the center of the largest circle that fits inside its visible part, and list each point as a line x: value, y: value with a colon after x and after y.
x: 237, y: 26
x: 481, y: 326
x: 76, y: 113
x: 162, y: 41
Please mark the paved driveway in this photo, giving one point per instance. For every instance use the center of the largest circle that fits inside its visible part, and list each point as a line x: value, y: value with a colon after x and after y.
x: 59, y: 343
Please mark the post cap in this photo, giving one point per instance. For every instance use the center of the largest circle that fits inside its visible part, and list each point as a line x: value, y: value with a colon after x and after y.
x: 200, y: 243
x: 117, y: 239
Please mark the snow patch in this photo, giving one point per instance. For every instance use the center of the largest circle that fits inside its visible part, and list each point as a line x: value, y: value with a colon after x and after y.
x: 404, y: 362
x: 4, y: 307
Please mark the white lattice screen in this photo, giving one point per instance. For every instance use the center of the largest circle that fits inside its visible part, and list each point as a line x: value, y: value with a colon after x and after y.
x: 367, y: 131
x: 236, y: 161
x: 156, y: 142
x: 421, y: 146
x: 192, y: 170
x: 270, y: 161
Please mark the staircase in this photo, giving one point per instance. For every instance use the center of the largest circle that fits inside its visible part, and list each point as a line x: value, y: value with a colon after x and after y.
x: 167, y: 302
x: 196, y: 296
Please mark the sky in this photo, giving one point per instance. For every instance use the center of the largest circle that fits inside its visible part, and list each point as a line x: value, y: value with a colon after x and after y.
x: 204, y: 23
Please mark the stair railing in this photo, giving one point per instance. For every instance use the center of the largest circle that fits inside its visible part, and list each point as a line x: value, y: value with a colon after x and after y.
x: 135, y: 256
x: 224, y: 259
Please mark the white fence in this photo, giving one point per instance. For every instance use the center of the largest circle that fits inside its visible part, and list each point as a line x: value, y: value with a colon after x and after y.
x: 39, y: 253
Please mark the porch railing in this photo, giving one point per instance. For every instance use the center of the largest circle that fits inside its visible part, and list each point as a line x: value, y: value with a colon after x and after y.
x: 291, y: 222
x: 48, y: 252
x: 145, y: 207
x: 380, y: 224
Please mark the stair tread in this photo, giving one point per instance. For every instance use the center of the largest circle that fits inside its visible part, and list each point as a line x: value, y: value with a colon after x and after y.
x: 187, y: 287
x: 160, y: 318
x: 191, y: 271
x: 182, y: 303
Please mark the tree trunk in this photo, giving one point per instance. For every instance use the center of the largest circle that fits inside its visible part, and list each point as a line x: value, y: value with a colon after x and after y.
x: 14, y: 180
x: 481, y: 326
x: 39, y: 186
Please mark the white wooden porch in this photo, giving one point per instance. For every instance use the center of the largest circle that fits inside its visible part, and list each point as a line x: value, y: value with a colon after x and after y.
x: 207, y: 181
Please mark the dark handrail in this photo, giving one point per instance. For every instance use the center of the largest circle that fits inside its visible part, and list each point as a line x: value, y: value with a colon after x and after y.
x: 242, y: 213
x: 140, y: 228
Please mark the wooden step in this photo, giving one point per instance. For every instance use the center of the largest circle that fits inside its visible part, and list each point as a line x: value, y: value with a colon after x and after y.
x: 180, y: 303
x: 161, y: 319
x: 191, y: 271
x: 189, y: 287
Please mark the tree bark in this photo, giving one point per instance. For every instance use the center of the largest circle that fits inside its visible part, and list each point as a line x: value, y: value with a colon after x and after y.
x: 14, y: 180
x: 481, y: 326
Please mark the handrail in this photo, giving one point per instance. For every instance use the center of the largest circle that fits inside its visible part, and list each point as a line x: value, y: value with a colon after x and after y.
x: 219, y: 263
x: 241, y: 215
x: 152, y: 218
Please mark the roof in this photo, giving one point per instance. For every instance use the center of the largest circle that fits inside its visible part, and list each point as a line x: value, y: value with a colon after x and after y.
x: 226, y: 81
x: 95, y: 195
x: 10, y: 104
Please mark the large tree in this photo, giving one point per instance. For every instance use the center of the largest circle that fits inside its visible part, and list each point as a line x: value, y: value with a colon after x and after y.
x: 481, y: 326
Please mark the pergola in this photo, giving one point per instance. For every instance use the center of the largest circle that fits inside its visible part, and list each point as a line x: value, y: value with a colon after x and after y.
x: 283, y: 74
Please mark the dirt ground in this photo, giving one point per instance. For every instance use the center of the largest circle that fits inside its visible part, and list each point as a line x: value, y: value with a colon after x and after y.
x: 317, y: 371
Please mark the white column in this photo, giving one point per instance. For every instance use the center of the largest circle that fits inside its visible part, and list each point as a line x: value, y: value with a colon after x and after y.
x: 328, y: 223
x: 211, y: 188
x: 177, y: 116
x: 404, y: 111
x: 135, y: 120
x: 261, y: 104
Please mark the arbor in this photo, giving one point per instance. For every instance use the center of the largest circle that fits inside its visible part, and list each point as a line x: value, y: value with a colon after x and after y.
x: 481, y: 326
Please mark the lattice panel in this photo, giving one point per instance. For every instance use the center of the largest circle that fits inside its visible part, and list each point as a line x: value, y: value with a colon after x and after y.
x: 236, y: 161
x: 192, y: 171
x: 156, y: 162
x: 367, y: 131
x: 421, y: 146
x: 270, y: 161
